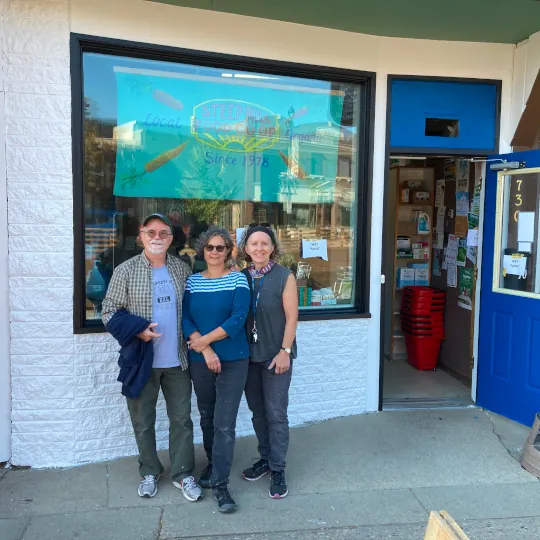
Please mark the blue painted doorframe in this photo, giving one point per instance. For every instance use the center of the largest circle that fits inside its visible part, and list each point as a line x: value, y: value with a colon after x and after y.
x: 509, y: 339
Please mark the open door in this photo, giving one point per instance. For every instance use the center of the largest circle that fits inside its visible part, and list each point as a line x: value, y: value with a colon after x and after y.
x: 509, y: 340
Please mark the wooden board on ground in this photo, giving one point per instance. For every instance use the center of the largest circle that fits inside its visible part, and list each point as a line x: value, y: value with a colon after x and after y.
x: 441, y: 526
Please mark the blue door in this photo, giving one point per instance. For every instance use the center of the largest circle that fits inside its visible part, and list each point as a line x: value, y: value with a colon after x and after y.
x: 509, y: 346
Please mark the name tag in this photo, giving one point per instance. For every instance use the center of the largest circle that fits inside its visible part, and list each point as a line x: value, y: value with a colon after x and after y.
x: 163, y: 299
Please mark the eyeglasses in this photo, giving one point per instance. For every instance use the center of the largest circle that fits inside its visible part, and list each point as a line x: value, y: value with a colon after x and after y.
x: 220, y: 249
x: 162, y: 234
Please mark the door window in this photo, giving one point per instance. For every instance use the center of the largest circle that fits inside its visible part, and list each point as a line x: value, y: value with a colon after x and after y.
x: 517, y: 233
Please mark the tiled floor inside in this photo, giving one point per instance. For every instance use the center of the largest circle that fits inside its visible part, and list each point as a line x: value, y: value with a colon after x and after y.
x: 403, y: 382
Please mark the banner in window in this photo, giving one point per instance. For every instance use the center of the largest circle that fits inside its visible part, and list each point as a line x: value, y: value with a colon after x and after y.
x: 188, y: 136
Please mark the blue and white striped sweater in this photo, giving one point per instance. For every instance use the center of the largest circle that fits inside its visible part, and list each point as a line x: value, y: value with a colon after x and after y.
x: 213, y: 302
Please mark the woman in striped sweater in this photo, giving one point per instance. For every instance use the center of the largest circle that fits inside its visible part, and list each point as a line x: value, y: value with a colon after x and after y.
x: 216, y: 304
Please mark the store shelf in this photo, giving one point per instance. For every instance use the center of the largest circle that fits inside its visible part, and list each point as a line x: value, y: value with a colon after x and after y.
x: 407, y: 226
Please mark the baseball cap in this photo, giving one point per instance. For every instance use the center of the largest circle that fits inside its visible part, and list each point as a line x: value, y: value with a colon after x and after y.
x: 161, y: 217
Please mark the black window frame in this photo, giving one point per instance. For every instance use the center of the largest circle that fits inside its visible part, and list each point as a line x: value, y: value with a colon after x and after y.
x: 80, y: 44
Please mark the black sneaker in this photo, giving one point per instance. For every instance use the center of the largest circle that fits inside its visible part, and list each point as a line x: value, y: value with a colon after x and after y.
x: 225, y: 502
x: 206, y: 475
x: 278, y: 487
x: 259, y: 469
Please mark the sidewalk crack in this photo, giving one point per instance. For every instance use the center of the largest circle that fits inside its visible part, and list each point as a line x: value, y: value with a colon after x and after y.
x: 499, y: 437
x: 107, y: 481
x: 26, y: 528
x: 160, y: 524
x: 419, y: 501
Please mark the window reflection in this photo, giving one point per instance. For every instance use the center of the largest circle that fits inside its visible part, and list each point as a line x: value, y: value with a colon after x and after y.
x: 206, y: 147
x: 520, y: 232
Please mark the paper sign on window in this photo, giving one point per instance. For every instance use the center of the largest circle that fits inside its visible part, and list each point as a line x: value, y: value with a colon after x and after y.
x: 314, y: 248
x: 515, y: 265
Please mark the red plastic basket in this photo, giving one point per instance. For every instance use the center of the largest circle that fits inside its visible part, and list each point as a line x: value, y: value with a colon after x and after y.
x: 430, y: 316
x: 423, y: 333
x: 423, y: 351
x: 413, y: 309
x: 426, y: 327
x: 415, y: 319
x: 423, y: 292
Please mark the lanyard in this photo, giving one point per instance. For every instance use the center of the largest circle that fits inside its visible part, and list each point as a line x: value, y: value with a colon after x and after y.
x: 256, y: 302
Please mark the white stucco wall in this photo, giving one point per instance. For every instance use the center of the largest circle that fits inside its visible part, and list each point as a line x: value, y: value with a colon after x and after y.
x: 67, y: 408
x: 526, y: 68
x: 5, y: 379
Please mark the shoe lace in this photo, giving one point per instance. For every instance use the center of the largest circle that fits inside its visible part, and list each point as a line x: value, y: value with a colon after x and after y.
x: 223, y: 494
x: 148, y: 479
x: 278, y: 478
x: 189, y: 482
x: 261, y: 464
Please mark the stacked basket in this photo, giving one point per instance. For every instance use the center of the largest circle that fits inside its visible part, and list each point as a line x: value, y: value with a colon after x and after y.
x: 422, y: 322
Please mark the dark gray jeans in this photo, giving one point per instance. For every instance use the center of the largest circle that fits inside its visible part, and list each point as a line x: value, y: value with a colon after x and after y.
x: 267, y: 396
x: 176, y: 387
x: 218, y: 399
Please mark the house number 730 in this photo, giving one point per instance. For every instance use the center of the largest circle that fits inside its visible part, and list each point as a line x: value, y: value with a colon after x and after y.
x: 519, y: 199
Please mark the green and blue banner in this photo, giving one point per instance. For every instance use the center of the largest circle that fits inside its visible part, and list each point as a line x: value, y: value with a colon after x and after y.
x: 189, y: 136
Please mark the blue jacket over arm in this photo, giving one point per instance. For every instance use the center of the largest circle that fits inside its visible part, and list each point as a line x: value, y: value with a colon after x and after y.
x: 136, y: 356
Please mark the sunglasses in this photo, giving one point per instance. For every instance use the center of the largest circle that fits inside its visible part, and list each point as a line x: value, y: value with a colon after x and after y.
x: 162, y: 234
x: 209, y: 248
x: 265, y: 225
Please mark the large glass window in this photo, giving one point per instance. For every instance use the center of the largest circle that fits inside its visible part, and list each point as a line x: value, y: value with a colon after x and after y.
x: 214, y: 146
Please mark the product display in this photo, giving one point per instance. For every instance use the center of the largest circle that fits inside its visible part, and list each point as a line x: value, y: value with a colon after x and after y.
x: 403, y: 247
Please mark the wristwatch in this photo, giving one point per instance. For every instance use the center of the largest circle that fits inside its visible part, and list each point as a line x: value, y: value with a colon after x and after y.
x: 286, y: 349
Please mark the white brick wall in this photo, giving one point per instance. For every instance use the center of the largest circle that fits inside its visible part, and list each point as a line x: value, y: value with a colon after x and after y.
x: 329, y: 380
x: 67, y: 408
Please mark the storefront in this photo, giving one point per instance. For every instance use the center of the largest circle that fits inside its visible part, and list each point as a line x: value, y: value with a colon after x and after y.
x: 118, y: 109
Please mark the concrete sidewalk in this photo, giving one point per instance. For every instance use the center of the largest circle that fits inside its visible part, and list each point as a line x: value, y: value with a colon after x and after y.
x: 364, y: 477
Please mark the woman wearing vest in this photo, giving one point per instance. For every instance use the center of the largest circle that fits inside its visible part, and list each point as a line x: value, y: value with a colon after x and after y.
x: 271, y: 329
x: 216, y: 303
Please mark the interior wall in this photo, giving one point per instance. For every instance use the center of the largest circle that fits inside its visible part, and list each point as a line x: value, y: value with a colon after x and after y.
x: 456, y: 350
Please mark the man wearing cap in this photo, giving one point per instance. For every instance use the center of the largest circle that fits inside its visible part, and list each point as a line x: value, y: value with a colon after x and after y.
x: 151, y: 285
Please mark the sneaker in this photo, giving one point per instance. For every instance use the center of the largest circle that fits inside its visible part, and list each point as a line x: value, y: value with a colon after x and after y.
x: 278, y: 487
x: 191, y: 490
x: 148, y: 486
x: 259, y: 469
x: 226, y: 504
x: 206, y: 476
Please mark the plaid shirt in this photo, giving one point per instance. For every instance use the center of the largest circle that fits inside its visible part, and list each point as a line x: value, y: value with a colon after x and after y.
x: 131, y: 288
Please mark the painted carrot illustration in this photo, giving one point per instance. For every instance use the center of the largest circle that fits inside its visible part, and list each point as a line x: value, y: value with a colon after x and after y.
x: 294, y: 168
x: 135, y: 177
x: 167, y: 99
x: 160, y: 160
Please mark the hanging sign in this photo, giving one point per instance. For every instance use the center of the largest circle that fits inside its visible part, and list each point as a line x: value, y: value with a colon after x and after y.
x: 188, y: 136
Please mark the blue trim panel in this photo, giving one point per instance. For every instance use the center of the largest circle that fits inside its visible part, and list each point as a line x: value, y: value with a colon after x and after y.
x: 473, y: 104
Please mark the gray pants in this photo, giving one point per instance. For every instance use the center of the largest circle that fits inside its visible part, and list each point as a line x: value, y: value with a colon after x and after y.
x: 218, y: 399
x: 267, y: 396
x: 176, y: 387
